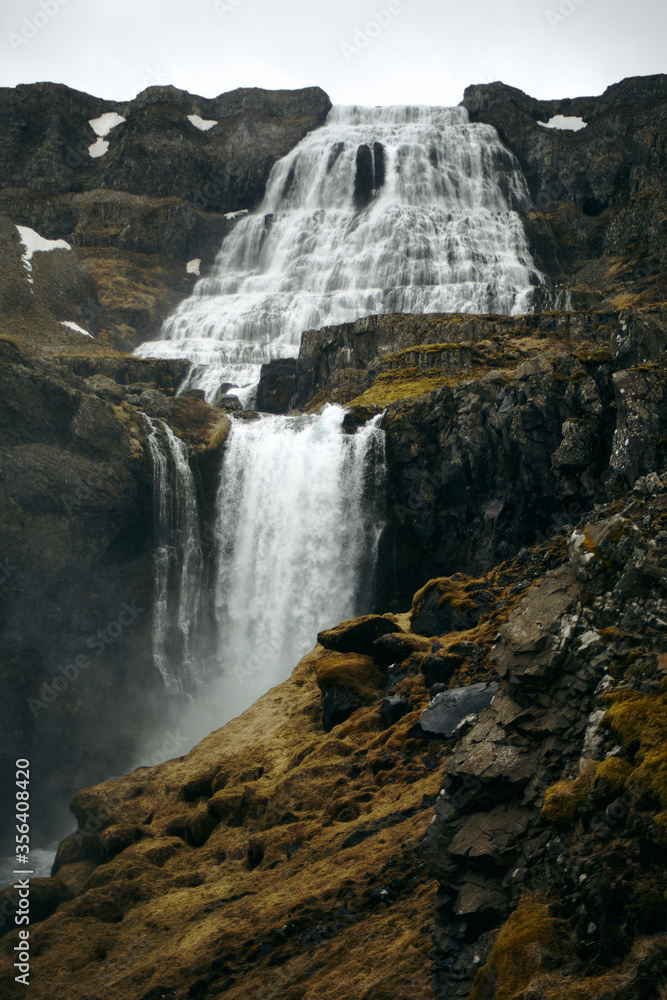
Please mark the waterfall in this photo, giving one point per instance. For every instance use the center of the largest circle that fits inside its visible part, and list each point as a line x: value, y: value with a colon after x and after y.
x: 400, y: 209
x: 299, y: 514
x: 177, y: 601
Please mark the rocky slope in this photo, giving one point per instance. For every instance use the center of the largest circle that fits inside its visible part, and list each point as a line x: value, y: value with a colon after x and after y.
x: 212, y: 874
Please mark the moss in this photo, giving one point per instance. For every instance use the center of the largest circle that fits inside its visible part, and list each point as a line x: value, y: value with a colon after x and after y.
x: 640, y: 721
x: 349, y: 670
x: 615, y: 772
x: 526, y: 940
x: 611, y: 633
x: 562, y: 800
x: 602, y: 356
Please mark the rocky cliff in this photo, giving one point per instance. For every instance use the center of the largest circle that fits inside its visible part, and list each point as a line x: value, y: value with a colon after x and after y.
x: 600, y: 214
x: 76, y: 517
x: 156, y: 199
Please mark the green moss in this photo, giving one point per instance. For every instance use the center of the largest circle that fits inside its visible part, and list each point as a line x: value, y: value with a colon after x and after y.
x: 611, y: 633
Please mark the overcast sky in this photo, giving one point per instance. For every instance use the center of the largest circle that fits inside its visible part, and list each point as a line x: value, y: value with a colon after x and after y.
x: 359, y: 51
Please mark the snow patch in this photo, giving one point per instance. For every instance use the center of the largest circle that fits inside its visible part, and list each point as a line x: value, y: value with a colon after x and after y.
x: 33, y: 243
x: 569, y: 124
x: 98, y: 148
x: 103, y: 125
x: 76, y: 328
x: 203, y: 124
x: 192, y: 266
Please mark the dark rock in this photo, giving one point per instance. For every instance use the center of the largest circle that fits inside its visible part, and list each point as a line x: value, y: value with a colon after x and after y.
x: 276, y: 385
x: 364, y: 177
x: 439, y: 669
x: 393, y: 709
x: 358, y: 634
x: 395, y: 647
x: 449, y: 709
x: 228, y: 402
x: 338, y: 704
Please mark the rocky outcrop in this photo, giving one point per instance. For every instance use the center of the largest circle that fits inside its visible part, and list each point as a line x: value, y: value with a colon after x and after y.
x: 156, y: 199
x: 76, y: 553
x: 599, y: 193
x: 499, y: 430
x: 281, y: 842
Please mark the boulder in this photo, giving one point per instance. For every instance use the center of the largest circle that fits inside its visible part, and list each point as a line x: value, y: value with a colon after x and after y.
x: 449, y: 709
x: 394, y: 647
x: 358, y: 634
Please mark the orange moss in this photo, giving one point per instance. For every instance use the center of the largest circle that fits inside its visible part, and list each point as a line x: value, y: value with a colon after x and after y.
x: 352, y: 671
x: 562, y: 800
x: 526, y: 939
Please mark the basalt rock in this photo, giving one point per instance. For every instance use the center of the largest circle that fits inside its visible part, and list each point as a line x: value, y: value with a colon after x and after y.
x: 603, y: 184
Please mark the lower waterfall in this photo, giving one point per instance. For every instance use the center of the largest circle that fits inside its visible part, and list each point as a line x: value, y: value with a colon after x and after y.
x: 177, y: 600
x: 299, y: 513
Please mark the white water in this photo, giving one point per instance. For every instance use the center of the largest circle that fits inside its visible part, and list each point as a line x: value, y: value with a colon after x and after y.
x: 177, y: 562
x: 299, y: 515
x: 441, y: 234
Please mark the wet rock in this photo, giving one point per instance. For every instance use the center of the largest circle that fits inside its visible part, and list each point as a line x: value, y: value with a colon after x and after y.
x: 450, y: 708
x: 277, y: 383
x: 228, y: 402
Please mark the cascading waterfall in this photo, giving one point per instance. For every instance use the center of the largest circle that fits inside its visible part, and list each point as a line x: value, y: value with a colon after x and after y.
x: 299, y: 516
x: 177, y: 604
x: 402, y: 209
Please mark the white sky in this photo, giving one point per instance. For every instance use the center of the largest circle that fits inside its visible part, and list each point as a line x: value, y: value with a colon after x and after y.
x: 427, y: 54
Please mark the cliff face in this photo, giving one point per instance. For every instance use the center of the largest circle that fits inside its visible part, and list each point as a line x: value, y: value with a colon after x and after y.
x: 154, y: 200
x: 601, y: 213
x: 499, y: 429
x: 76, y: 537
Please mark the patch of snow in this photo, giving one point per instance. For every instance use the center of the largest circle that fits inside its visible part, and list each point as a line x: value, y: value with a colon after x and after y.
x: 192, y: 266
x: 569, y: 124
x: 203, y: 124
x: 33, y: 243
x: 98, y: 148
x: 76, y: 328
x: 236, y: 215
x: 103, y: 125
